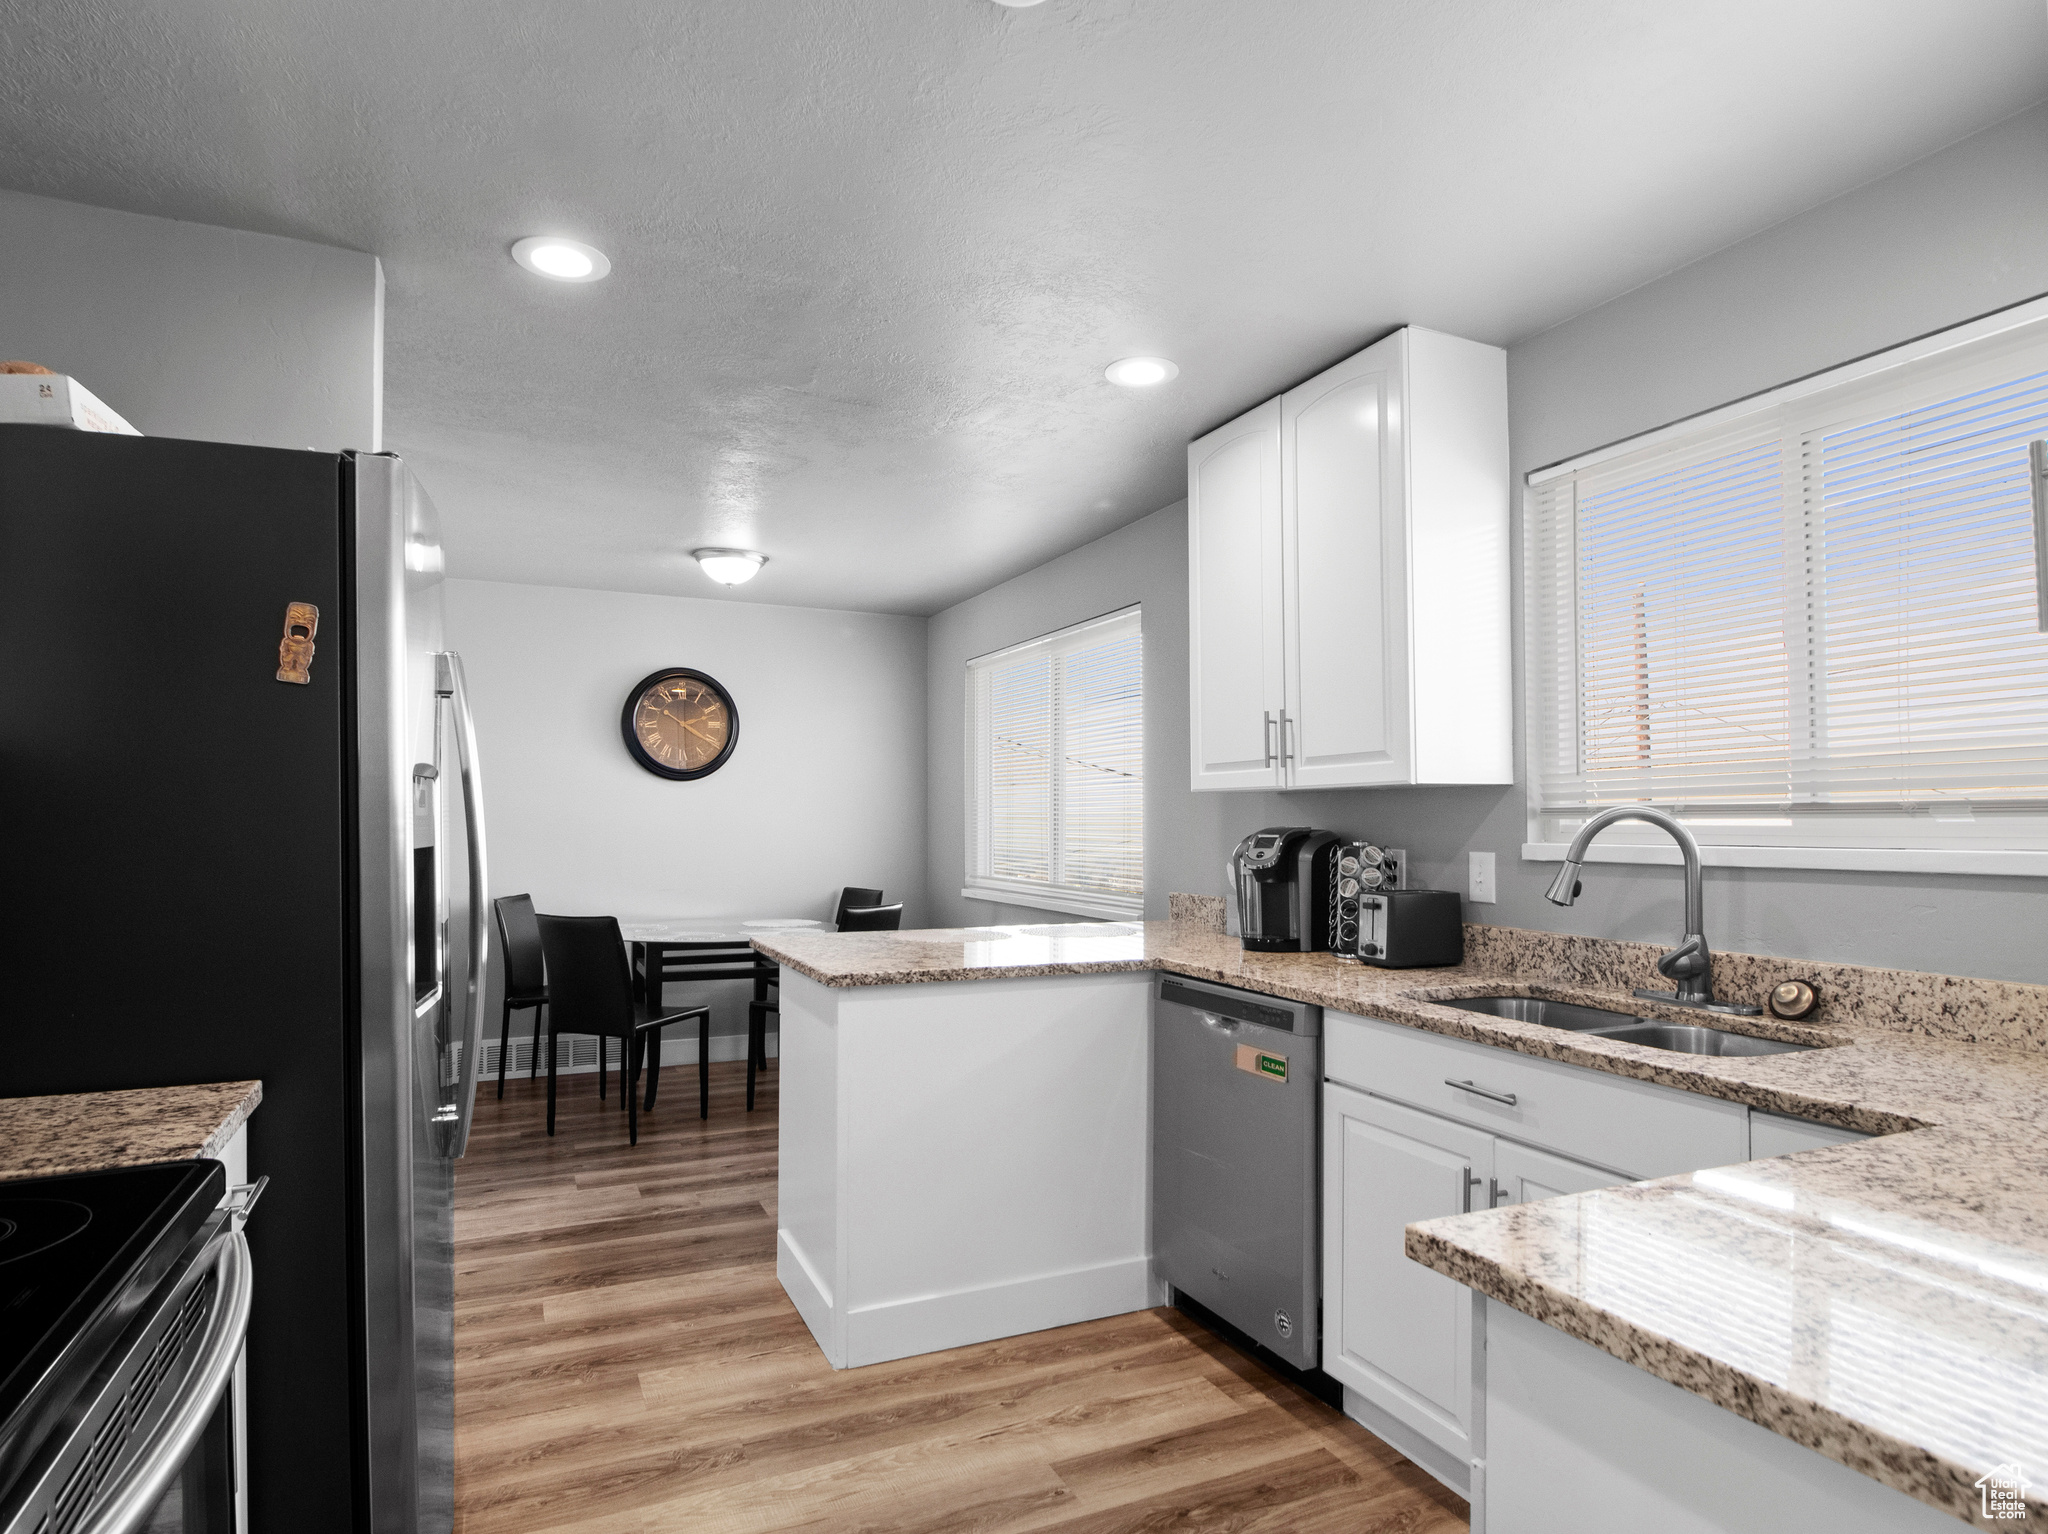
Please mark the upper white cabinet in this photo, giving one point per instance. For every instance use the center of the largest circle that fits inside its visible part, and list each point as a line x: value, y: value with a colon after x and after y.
x: 1348, y: 576
x: 1234, y: 596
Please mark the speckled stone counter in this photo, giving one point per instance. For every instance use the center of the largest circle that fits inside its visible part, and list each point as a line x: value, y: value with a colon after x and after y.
x: 1884, y: 1303
x: 93, y: 1131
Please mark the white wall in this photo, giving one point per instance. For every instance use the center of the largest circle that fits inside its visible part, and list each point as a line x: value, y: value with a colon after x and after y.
x: 1960, y: 233
x: 826, y: 786
x: 193, y: 331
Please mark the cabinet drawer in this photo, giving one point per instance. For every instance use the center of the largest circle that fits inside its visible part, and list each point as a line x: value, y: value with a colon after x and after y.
x: 1631, y: 1126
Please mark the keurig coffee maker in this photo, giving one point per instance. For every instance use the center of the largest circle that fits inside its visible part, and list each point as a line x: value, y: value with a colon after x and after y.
x: 1281, y: 877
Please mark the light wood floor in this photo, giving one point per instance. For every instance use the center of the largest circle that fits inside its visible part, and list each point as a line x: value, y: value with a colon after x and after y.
x: 626, y: 1361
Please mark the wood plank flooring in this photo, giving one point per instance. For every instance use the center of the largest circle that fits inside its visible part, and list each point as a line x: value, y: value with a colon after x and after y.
x: 626, y: 1363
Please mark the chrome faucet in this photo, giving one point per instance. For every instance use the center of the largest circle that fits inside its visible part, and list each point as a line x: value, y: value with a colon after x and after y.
x: 1689, y: 966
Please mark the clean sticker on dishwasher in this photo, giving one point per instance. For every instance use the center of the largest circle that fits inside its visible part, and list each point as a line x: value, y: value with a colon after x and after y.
x: 1259, y: 1063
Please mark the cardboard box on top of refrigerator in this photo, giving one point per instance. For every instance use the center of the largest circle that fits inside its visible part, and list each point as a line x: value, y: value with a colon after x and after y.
x: 51, y: 399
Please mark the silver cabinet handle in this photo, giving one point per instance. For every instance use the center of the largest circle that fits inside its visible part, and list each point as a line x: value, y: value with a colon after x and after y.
x: 1471, y: 1182
x: 1286, y: 731
x: 448, y: 684
x: 1267, y: 736
x: 122, y: 1507
x: 1493, y: 1191
x: 1497, y: 1097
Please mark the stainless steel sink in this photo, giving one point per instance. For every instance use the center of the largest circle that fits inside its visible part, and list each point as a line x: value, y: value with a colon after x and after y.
x: 1551, y: 1014
x: 1690, y: 1039
x: 1685, y: 1038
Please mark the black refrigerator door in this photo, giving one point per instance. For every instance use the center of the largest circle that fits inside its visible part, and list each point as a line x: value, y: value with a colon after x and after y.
x: 181, y: 849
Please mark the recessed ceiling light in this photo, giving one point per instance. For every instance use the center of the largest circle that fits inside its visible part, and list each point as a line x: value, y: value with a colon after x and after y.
x: 1140, y: 372
x: 549, y: 255
x: 730, y: 567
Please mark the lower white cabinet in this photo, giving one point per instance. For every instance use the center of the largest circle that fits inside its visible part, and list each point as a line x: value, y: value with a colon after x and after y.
x: 1417, y: 1126
x: 1395, y: 1332
x: 1523, y: 1174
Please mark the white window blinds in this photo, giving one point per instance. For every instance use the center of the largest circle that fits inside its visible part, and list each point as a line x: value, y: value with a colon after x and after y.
x: 1056, y: 771
x: 1807, y: 620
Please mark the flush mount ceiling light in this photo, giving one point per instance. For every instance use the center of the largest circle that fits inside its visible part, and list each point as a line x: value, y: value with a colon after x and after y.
x: 1140, y: 372
x: 1018, y: 5
x: 730, y: 567
x: 549, y: 255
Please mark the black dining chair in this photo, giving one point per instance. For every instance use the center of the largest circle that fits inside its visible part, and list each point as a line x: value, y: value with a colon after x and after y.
x: 851, y: 896
x: 525, y: 977
x: 590, y: 990
x: 871, y: 918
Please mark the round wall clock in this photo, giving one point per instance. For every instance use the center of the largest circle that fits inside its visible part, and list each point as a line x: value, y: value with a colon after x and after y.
x: 680, y: 724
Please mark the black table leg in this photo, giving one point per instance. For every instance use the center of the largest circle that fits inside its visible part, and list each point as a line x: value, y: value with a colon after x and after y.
x: 704, y: 1064
x: 629, y: 1059
x: 753, y: 1011
x: 551, y: 1075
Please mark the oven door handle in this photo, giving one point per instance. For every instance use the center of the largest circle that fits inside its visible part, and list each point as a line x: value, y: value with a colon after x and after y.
x: 130, y: 1497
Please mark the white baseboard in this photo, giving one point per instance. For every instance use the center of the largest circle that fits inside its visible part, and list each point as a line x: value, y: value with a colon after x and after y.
x: 808, y: 1291
x: 576, y: 1054
x: 932, y: 1322
x: 1396, y: 1434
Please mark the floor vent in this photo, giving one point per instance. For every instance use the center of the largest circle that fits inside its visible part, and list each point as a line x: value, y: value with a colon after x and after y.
x: 576, y: 1053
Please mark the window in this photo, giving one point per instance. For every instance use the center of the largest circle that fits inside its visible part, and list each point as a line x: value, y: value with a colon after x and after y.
x: 1809, y: 621
x: 1056, y: 771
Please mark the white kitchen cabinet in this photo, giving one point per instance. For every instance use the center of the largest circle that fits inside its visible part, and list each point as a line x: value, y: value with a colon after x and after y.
x: 1577, y: 1440
x: 1523, y: 1174
x: 1417, y: 1126
x: 1234, y: 602
x: 1394, y: 1331
x: 1348, y: 576
x: 1588, y: 1115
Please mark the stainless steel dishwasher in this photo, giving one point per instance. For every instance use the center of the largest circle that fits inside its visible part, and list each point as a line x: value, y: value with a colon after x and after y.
x: 1236, y: 1091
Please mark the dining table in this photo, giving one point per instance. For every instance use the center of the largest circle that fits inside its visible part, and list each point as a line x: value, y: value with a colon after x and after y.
x: 651, y: 937
x: 721, y: 947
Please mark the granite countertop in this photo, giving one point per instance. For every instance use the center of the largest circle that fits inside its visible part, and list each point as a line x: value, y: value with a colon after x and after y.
x: 93, y: 1131
x: 1884, y: 1303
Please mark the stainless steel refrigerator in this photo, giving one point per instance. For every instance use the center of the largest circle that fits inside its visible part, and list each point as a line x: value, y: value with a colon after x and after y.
x: 245, y: 840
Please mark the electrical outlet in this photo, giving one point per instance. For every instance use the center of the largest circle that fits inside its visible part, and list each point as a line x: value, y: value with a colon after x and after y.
x: 1480, y: 883
x: 1397, y: 867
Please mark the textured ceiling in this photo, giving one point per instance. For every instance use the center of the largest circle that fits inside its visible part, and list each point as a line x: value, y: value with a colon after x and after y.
x: 871, y: 256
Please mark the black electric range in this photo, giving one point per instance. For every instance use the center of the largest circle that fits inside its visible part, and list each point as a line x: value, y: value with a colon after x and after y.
x: 81, y: 1259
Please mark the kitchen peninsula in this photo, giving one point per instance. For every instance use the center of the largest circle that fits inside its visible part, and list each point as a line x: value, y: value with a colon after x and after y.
x: 1022, y: 1052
